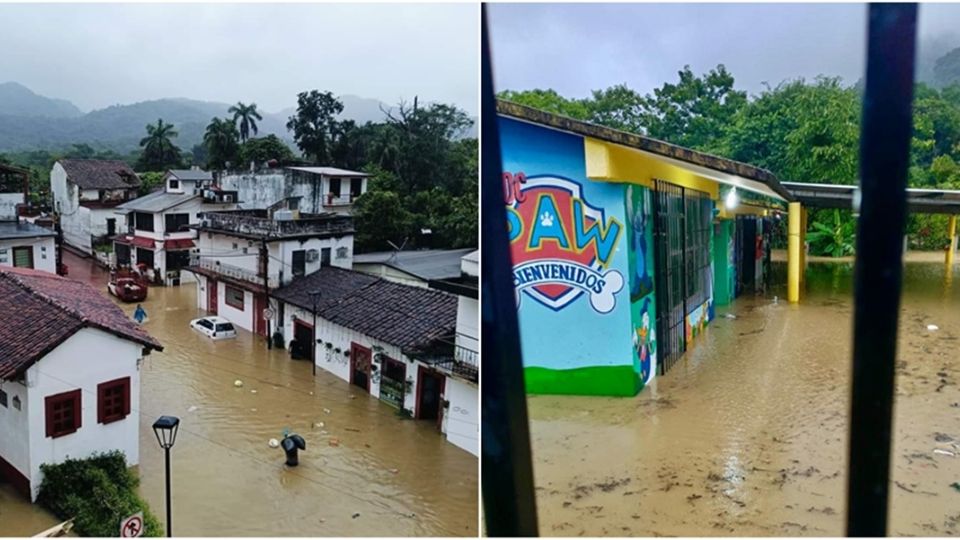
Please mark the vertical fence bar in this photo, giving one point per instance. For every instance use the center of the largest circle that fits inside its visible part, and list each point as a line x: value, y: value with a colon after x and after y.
x: 508, y: 497
x: 884, y: 157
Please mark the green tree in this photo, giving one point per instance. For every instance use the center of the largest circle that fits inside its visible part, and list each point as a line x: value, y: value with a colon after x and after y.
x: 221, y: 142
x: 159, y: 153
x: 245, y: 118
x: 264, y: 149
x: 381, y: 218
x: 315, y: 125
x: 549, y: 100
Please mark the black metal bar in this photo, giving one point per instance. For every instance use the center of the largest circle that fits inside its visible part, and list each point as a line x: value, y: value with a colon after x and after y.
x: 884, y: 158
x: 509, y: 503
x: 169, y: 518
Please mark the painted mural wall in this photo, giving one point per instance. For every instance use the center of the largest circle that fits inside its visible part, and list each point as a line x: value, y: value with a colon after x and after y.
x: 571, y: 266
x: 643, y: 303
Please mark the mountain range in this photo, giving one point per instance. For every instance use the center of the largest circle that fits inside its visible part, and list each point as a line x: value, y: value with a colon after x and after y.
x: 29, y: 121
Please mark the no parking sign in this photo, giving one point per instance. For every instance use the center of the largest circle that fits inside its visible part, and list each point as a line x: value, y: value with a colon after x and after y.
x: 132, y: 527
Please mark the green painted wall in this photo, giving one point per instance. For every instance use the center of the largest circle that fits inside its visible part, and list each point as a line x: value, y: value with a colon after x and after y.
x: 723, y: 267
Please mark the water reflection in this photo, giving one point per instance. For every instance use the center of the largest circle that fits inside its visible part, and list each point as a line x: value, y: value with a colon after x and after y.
x: 747, y: 434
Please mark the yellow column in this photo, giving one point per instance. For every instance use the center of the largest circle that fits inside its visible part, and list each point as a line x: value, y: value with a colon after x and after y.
x: 951, y: 251
x: 803, y: 245
x: 793, y: 252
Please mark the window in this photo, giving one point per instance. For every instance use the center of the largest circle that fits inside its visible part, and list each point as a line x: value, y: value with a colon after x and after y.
x: 63, y: 413
x: 325, y: 256
x: 143, y: 221
x: 342, y: 252
x: 145, y: 256
x: 205, y: 323
x: 225, y: 327
x: 356, y: 187
x: 111, y: 226
x: 299, y: 262
x: 234, y: 297
x: 23, y: 257
x: 3, y: 398
x: 113, y: 400
x: 174, y: 184
x: 335, y: 187
x: 16, y: 402
x: 176, y: 222
x: 177, y: 260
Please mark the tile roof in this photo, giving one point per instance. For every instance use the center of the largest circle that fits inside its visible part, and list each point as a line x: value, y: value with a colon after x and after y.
x: 398, y: 314
x: 100, y: 173
x: 425, y: 264
x: 40, y: 310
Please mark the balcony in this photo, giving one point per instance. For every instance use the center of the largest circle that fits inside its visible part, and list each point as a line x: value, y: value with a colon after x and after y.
x: 237, y: 273
x: 259, y: 224
x: 338, y: 200
x: 463, y: 362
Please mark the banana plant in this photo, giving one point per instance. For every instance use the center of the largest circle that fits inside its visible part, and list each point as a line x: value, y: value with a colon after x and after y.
x: 836, y: 240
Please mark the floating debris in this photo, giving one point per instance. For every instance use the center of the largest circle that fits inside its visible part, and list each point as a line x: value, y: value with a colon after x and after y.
x: 238, y: 383
x: 943, y: 452
x: 932, y: 327
x: 334, y: 442
x: 192, y: 408
x: 274, y: 443
x: 955, y: 486
x: 253, y: 391
x: 729, y: 316
x: 326, y: 411
x: 394, y: 471
x: 356, y: 515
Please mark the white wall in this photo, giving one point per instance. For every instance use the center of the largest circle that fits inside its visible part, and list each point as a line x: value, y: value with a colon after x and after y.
x: 15, y: 442
x: 83, y: 361
x: 341, y: 338
x: 8, y: 205
x: 242, y: 318
x: 390, y: 274
x: 44, y: 252
x: 468, y: 317
x: 283, y: 251
x: 461, y: 420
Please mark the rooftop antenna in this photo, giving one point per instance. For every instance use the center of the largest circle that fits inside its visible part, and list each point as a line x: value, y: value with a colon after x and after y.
x: 396, y: 249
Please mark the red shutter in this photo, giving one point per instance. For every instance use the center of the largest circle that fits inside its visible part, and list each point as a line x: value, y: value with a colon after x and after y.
x: 100, y: 412
x: 126, y: 396
x: 48, y: 413
x: 77, y: 410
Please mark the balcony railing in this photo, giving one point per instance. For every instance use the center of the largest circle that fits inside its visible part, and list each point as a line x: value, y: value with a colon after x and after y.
x: 338, y: 200
x: 235, y: 272
x: 249, y: 223
x: 463, y: 362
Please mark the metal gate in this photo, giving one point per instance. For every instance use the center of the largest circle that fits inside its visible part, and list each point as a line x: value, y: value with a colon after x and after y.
x: 668, y: 232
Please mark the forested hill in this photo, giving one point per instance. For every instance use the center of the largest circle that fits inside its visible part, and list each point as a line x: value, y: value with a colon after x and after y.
x: 29, y: 121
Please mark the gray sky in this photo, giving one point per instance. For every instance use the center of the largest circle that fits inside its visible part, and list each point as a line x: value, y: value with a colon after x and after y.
x: 575, y: 48
x: 98, y: 55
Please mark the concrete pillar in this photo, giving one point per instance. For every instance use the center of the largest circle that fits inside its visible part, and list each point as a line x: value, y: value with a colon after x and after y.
x: 952, y: 234
x: 793, y: 252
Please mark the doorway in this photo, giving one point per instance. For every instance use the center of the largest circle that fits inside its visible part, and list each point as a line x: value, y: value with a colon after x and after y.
x: 302, y: 347
x: 747, y: 255
x: 429, y: 389
x: 360, y: 360
x: 212, y: 296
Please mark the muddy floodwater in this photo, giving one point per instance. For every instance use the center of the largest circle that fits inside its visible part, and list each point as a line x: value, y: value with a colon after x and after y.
x: 747, y: 434
x: 365, y: 472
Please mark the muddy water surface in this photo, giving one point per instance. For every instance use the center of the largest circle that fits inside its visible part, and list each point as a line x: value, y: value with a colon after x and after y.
x: 366, y: 472
x: 747, y: 434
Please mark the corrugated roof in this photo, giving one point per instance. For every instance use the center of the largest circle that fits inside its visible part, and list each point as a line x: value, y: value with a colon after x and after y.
x: 398, y: 314
x: 157, y: 201
x: 328, y: 171
x: 425, y: 264
x: 40, y: 310
x: 190, y: 174
x: 100, y: 173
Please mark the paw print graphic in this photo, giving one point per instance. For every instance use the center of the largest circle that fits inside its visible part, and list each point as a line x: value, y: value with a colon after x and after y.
x: 546, y: 219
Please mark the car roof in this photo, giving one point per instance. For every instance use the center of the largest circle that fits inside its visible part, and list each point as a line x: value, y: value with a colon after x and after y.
x: 215, y: 319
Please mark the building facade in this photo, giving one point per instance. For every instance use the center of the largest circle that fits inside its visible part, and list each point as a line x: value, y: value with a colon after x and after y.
x: 631, y: 241
x: 243, y: 255
x: 69, y: 376
x: 320, y: 189
x: 158, y: 235
x: 86, y: 193
x: 415, y: 267
x: 23, y: 244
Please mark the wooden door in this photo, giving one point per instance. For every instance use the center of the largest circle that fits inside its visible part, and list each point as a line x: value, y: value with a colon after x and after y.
x: 212, y: 295
x: 360, y: 360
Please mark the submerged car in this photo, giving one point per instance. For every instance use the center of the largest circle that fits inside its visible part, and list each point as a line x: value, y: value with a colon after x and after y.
x: 127, y: 288
x: 214, y: 327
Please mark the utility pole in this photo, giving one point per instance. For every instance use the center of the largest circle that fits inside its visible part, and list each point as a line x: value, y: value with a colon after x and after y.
x: 264, y: 267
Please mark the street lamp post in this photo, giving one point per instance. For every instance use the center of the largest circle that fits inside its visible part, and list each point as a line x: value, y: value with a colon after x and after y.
x: 165, y: 428
x: 315, y: 296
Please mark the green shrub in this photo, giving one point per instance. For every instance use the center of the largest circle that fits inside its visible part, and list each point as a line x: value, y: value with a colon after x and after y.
x: 97, y: 493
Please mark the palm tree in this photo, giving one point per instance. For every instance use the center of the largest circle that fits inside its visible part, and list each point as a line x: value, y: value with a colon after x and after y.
x: 247, y: 115
x: 159, y: 152
x: 220, y: 139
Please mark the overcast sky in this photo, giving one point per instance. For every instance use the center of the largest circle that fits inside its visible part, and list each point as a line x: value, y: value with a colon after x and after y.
x: 575, y: 48
x: 98, y: 55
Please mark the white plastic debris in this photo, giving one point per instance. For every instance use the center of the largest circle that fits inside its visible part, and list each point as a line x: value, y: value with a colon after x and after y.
x: 932, y: 327
x: 192, y: 408
x: 253, y: 391
x: 274, y: 443
x: 238, y: 383
x: 326, y: 411
x: 943, y: 452
x: 730, y: 316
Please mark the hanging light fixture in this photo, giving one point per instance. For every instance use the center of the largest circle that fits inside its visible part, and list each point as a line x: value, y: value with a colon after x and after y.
x: 731, y: 200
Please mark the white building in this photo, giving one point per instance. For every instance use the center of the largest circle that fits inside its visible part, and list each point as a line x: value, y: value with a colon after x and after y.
x: 69, y: 375
x: 243, y: 255
x: 415, y: 267
x: 389, y: 339
x: 86, y: 193
x: 462, y: 424
x: 321, y: 189
x: 158, y: 224
x: 22, y: 244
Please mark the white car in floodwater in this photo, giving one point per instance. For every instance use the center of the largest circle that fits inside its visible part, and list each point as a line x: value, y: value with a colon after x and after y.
x: 214, y: 327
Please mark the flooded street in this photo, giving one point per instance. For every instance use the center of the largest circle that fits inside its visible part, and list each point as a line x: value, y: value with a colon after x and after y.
x: 365, y: 471
x: 747, y: 434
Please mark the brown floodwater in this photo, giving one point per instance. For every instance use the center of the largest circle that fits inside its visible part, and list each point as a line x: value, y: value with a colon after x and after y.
x: 365, y: 472
x: 747, y: 434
